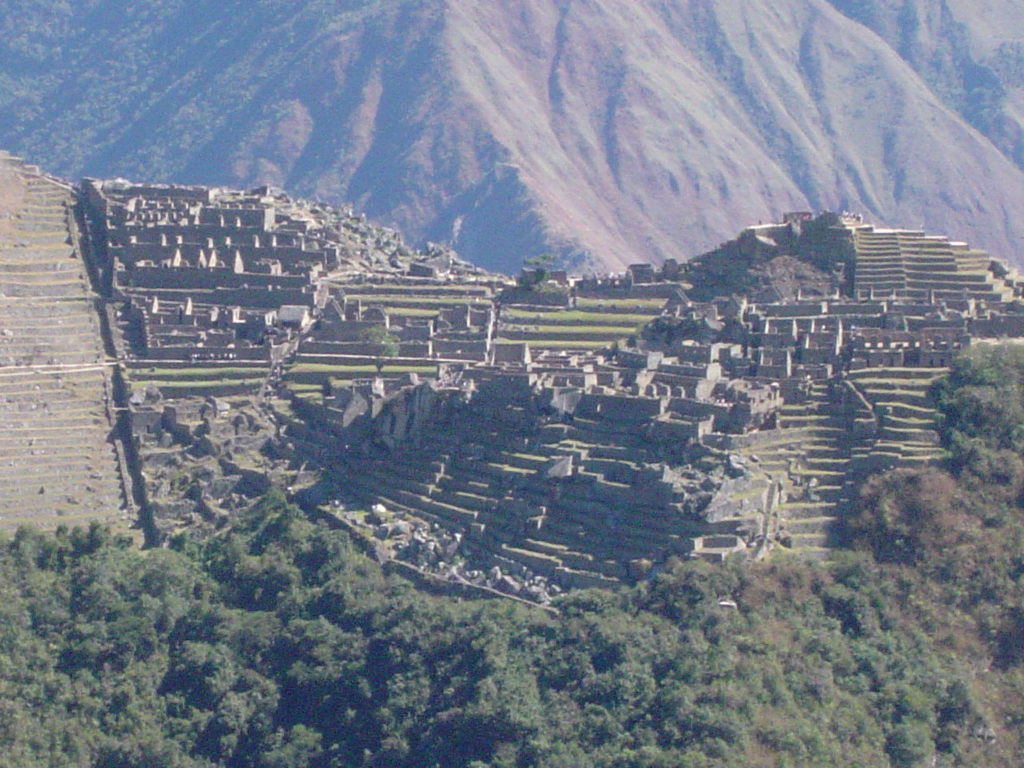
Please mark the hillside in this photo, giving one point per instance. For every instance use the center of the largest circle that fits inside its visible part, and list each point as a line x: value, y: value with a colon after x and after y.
x: 275, y: 644
x: 616, y: 132
x: 425, y: 600
x: 528, y: 436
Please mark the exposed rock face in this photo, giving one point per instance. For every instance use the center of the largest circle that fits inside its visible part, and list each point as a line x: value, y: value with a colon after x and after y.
x: 405, y: 415
x: 625, y: 130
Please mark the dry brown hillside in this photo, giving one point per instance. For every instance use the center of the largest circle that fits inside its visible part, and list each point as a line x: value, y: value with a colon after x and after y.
x: 621, y: 130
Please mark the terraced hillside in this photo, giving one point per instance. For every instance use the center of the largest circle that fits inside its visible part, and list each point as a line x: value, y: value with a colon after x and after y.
x: 588, y: 503
x: 525, y: 436
x: 590, y: 324
x: 912, y: 263
x: 869, y: 421
x: 57, y: 462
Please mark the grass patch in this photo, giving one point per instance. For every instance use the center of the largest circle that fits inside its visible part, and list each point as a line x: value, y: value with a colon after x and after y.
x: 369, y: 368
x: 559, y: 343
x: 179, y: 384
x: 617, y: 319
x: 571, y: 330
x: 411, y: 312
x: 297, y: 387
x: 624, y: 304
x: 370, y: 300
x: 362, y: 289
x: 173, y: 374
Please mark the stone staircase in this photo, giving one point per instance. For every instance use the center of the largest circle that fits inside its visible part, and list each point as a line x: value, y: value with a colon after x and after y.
x: 826, y: 438
x: 850, y: 428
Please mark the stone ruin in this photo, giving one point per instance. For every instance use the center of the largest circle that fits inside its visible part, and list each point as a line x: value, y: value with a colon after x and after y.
x: 569, y: 454
x: 62, y: 461
x: 524, y: 436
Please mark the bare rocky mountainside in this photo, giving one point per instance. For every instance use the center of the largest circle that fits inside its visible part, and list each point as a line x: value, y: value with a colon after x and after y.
x: 612, y: 132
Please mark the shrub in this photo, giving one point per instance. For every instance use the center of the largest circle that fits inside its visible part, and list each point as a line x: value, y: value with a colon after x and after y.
x: 907, y: 515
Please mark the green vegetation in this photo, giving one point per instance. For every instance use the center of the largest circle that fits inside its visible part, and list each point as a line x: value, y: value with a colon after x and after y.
x: 411, y: 312
x: 571, y: 330
x: 346, y: 369
x: 383, y: 343
x: 562, y: 343
x: 983, y: 405
x: 199, y: 384
x: 537, y: 270
x: 173, y: 379
x: 413, y: 301
x: 570, y: 317
x: 211, y: 373
x: 274, y: 643
x: 630, y: 305
x: 928, y: 515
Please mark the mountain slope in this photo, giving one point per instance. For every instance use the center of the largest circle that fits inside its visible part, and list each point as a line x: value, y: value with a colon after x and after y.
x: 613, y: 132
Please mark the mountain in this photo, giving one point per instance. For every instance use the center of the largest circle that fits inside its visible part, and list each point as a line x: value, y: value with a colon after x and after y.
x: 610, y: 132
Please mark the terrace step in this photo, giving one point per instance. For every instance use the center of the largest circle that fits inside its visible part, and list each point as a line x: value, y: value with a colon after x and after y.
x: 55, y: 428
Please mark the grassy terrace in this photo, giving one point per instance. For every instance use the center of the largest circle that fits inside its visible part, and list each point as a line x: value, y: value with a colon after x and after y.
x: 192, y: 374
x: 308, y: 377
x: 621, y: 305
x: 567, y: 336
x: 170, y: 378
x: 414, y: 301
x: 412, y: 312
x: 305, y: 388
x: 565, y: 343
x: 173, y: 384
x: 607, y: 320
x: 910, y: 377
x: 894, y: 384
x: 574, y: 330
x: 456, y: 291
x: 359, y: 368
x: 573, y: 316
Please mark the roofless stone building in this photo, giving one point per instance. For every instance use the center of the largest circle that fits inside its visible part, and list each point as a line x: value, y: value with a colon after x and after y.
x: 520, y: 435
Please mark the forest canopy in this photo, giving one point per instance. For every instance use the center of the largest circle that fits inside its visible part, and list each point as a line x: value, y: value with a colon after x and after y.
x: 275, y: 643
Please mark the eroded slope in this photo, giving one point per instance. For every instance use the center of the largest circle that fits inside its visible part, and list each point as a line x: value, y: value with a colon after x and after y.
x: 618, y: 132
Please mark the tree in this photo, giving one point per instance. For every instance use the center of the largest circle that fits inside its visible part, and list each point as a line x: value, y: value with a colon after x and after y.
x: 907, y: 515
x: 544, y: 261
x: 536, y: 269
x: 383, y: 344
